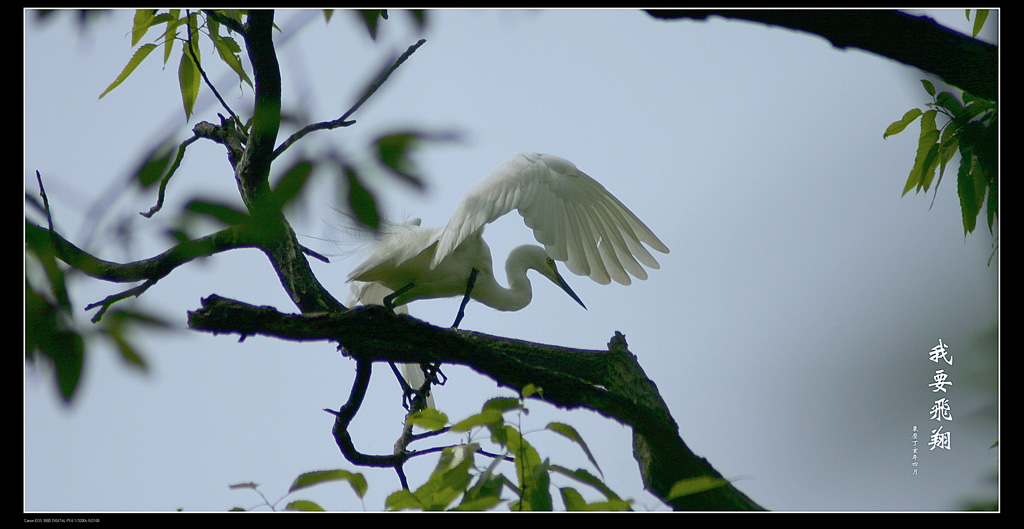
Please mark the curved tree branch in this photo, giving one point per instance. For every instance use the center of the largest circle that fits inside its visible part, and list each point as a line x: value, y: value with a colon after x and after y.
x: 148, y: 270
x: 918, y: 41
x: 610, y: 382
x: 151, y: 269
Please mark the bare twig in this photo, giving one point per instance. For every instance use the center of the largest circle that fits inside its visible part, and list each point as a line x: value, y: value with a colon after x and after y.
x: 46, y: 202
x: 106, y: 302
x: 167, y: 177
x: 343, y: 121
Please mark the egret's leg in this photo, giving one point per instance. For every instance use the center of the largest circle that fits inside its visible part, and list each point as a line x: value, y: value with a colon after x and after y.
x: 389, y: 304
x: 407, y: 390
x: 389, y: 300
x: 465, y: 299
x: 414, y: 399
x: 433, y: 373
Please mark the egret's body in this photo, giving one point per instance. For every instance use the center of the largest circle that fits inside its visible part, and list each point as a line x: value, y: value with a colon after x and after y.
x: 572, y: 215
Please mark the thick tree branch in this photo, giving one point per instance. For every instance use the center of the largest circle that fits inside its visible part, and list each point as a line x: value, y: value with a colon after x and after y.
x: 253, y: 170
x: 960, y: 60
x: 608, y: 382
x: 151, y: 269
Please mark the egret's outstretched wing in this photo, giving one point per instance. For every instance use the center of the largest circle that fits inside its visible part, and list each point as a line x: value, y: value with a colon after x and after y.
x: 572, y: 215
x: 399, y: 243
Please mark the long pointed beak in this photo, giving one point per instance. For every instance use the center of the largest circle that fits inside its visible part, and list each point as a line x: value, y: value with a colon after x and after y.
x: 565, y: 286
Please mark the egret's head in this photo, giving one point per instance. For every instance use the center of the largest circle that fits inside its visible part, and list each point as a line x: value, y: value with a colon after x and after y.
x: 535, y: 258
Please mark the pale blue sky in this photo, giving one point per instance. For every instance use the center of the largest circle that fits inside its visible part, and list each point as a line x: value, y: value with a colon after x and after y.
x: 788, y: 330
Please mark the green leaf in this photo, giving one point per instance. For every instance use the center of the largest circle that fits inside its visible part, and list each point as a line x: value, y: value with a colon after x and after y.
x: 67, y: 351
x: 370, y: 18
x: 188, y: 79
x: 502, y: 404
x: 360, y: 201
x: 949, y: 102
x: 927, y: 147
x: 447, y: 482
x: 40, y: 242
x: 586, y: 478
x: 529, y: 467
x: 971, y: 185
x: 486, y: 493
x: 993, y: 201
x: 481, y: 503
x: 689, y: 486
x: 571, y: 434
x: 228, y: 50
x: 429, y: 419
x: 489, y: 417
x: 929, y: 163
x: 137, y: 58
x: 575, y: 502
x: 402, y: 499
x: 972, y: 109
x: 46, y: 334
x: 979, y: 21
x: 125, y: 317
x: 537, y: 493
x: 291, y: 183
x: 155, y: 165
x: 928, y: 87
x: 308, y: 479
x: 227, y: 214
x: 141, y: 23
x: 303, y: 505
x: 530, y: 390
x: 947, y: 149
x: 128, y: 352
x: 393, y: 152
x: 171, y: 32
x: 898, y: 126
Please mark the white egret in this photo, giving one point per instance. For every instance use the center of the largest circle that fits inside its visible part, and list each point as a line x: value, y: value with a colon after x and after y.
x: 576, y: 219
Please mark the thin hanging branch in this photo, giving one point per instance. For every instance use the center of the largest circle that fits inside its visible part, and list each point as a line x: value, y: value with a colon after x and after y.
x: 344, y: 121
x: 202, y: 72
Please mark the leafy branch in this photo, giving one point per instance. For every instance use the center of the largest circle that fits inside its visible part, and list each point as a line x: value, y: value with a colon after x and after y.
x: 189, y: 66
x: 971, y: 129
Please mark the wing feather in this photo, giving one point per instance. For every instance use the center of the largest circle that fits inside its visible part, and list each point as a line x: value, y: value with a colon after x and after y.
x: 576, y: 219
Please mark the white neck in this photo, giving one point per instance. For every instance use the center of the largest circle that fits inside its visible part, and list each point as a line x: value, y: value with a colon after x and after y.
x: 490, y: 293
